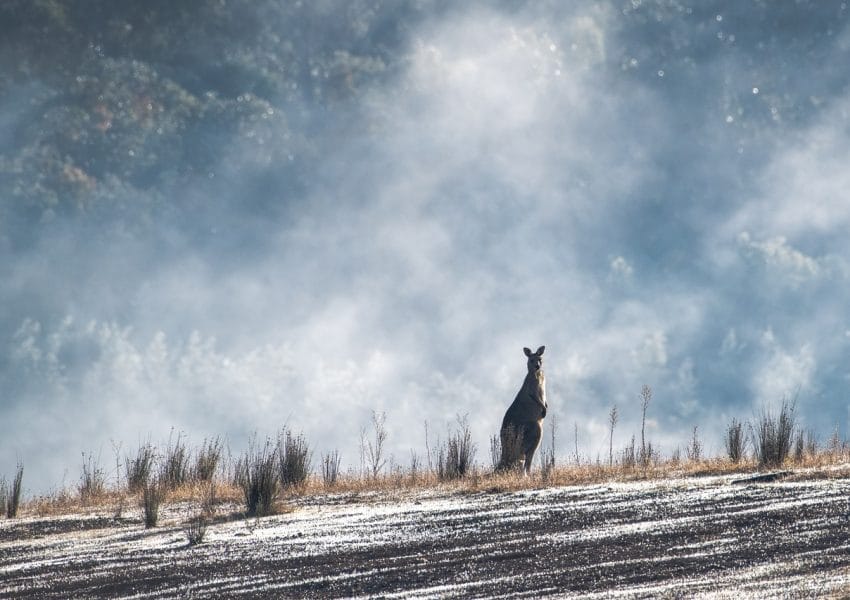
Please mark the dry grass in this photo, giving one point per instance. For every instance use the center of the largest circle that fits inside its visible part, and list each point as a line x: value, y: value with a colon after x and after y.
x: 829, y: 463
x: 11, y: 493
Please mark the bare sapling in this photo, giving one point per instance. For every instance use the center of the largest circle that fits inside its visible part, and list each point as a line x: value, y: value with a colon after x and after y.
x: 116, y: 451
x: 495, y: 452
x: 694, y: 449
x: 575, y: 440
x: 645, y: 399
x: 428, y: 450
x: 375, y: 446
x: 330, y: 468
x: 547, y: 464
x: 612, y: 422
x: 628, y: 457
x: 362, y: 448
x: 415, y: 466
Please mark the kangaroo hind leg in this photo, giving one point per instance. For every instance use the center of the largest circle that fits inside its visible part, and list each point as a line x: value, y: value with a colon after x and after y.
x: 531, y: 438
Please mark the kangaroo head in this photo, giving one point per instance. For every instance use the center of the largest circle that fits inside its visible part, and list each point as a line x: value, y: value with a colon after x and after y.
x: 535, y: 359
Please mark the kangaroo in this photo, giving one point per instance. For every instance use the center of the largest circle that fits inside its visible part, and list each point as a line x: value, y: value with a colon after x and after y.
x: 522, y: 426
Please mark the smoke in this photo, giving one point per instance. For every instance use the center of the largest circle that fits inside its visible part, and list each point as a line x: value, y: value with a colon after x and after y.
x: 598, y: 180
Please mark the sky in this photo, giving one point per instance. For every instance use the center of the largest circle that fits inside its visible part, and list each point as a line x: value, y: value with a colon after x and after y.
x: 655, y: 191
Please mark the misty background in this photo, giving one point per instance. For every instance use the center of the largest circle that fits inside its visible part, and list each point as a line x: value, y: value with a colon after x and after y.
x: 224, y: 216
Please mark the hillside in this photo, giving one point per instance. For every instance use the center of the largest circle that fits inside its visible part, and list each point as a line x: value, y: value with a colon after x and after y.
x: 701, y: 537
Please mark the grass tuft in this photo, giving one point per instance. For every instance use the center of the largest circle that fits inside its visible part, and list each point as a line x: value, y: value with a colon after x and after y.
x: 140, y: 467
x: 256, y: 475
x: 153, y: 494
x: 207, y: 460
x: 773, y: 435
x: 175, y: 465
x: 13, y: 493
x: 195, y: 529
x: 455, y: 459
x: 92, y: 479
x: 736, y: 441
x: 294, y: 459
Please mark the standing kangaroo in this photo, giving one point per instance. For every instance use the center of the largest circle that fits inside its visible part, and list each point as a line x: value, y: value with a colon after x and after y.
x: 522, y: 426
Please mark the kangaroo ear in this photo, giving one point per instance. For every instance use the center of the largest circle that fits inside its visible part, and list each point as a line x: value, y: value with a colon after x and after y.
x: 540, y: 350
x: 527, y: 351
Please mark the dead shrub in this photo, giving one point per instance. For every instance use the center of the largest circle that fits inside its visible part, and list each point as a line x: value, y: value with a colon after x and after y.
x: 195, y: 529
x: 694, y: 448
x: 455, y: 459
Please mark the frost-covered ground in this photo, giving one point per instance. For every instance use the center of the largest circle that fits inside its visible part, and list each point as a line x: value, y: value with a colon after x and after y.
x: 697, y: 537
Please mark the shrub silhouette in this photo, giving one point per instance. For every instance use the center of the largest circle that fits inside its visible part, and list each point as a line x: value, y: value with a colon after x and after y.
x: 256, y: 474
x: 293, y: 459
x: 773, y: 435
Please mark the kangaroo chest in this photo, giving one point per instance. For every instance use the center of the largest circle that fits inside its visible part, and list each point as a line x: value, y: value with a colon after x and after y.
x: 530, y: 402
